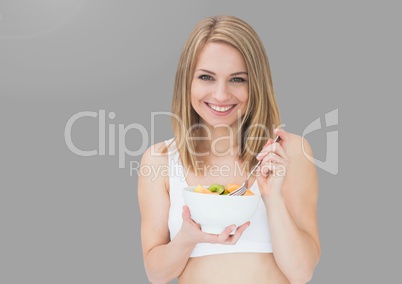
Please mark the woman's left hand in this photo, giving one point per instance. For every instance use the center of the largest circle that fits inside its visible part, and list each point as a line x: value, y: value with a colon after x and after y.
x: 275, y: 164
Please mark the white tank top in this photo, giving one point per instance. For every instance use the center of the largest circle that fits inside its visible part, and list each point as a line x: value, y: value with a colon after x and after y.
x: 256, y: 238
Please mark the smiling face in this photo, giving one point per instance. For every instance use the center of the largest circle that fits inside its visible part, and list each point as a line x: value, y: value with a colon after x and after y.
x: 219, y: 88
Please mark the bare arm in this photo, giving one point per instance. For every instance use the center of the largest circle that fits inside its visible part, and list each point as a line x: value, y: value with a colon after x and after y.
x: 165, y: 259
x: 291, y: 203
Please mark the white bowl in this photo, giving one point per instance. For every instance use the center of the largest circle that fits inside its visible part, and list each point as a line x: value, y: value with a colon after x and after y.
x: 216, y: 212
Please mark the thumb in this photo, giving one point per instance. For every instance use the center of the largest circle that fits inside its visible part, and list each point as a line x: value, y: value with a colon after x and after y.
x: 186, y: 213
x: 269, y: 142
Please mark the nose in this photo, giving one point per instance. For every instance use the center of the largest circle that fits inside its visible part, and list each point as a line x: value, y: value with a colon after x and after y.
x: 221, y: 92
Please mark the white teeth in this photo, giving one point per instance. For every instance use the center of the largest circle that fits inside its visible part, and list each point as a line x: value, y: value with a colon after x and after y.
x: 221, y: 109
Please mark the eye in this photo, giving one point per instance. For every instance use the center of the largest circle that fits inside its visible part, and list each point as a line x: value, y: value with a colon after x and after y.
x: 206, y: 77
x: 238, y: 80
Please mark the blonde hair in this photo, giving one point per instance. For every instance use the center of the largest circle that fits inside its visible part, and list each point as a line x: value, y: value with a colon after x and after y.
x: 262, y: 114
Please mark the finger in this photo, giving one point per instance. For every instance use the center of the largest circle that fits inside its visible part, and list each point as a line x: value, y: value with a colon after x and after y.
x: 276, y: 168
x: 283, y: 135
x: 222, y: 237
x: 272, y: 157
x: 283, y: 141
x: 186, y: 215
x: 263, y: 152
x: 270, y: 141
x: 275, y: 148
x: 266, y: 169
x: 239, y: 231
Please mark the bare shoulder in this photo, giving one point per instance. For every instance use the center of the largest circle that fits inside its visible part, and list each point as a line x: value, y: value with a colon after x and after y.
x: 154, y: 165
x: 155, y: 154
x: 299, y: 147
x: 301, y: 181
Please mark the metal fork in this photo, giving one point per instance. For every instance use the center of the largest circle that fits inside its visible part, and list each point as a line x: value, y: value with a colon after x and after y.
x: 243, y: 188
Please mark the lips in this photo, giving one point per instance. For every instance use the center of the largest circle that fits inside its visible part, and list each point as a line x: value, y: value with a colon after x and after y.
x: 221, y: 108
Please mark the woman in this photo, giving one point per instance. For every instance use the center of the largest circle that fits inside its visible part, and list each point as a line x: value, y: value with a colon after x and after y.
x: 225, y: 113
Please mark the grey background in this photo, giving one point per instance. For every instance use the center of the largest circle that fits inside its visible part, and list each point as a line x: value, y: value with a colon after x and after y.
x: 71, y: 219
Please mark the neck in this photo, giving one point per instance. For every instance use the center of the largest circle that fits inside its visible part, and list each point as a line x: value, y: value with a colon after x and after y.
x: 220, y: 141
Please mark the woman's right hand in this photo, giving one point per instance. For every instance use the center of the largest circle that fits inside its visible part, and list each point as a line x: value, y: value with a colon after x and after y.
x: 192, y: 232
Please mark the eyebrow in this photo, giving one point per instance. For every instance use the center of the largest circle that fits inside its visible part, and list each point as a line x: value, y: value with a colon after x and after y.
x: 233, y: 74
